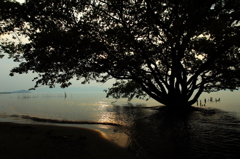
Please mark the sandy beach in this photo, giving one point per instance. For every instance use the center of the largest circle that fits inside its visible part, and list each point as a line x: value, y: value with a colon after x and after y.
x: 56, y: 142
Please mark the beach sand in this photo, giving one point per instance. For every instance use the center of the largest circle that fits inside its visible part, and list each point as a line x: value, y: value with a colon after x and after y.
x: 56, y: 142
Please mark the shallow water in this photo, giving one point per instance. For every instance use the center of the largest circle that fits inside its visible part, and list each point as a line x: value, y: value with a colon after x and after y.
x: 75, y: 109
x: 211, y: 131
x: 202, y: 133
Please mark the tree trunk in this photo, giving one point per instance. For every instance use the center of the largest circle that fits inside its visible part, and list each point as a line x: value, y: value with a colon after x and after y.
x: 178, y: 101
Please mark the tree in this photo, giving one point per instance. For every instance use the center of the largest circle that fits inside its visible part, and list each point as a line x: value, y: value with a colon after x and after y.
x: 169, y: 50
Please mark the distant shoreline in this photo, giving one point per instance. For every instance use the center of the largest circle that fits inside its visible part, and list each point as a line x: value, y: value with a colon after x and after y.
x: 5, y: 92
x: 19, y: 91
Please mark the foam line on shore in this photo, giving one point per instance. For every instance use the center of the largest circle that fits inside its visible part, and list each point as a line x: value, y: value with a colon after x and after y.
x: 38, y: 119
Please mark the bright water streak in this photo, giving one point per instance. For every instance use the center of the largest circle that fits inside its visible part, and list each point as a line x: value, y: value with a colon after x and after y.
x: 200, y: 134
x: 75, y: 107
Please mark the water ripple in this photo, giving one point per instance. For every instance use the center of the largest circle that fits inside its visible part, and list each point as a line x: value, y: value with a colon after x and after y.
x: 200, y: 133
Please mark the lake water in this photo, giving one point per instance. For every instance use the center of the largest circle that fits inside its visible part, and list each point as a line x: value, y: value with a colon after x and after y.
x: 74, y: 109
x: 212, y: 131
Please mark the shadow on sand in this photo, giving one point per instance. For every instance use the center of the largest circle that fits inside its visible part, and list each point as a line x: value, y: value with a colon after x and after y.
x: 163, y: 133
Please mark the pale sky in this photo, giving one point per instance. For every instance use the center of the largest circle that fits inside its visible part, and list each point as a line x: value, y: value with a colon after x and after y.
x: 21, y: 1
x: 24, y: 81
x: 17, y: 82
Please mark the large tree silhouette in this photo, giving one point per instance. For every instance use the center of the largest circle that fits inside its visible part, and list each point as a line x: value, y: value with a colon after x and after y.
x: 169, y: 50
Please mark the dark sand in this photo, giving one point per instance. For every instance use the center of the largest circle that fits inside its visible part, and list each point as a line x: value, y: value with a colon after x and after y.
x: 55, y: 142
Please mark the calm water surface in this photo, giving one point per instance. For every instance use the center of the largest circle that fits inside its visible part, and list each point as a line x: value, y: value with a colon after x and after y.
x: 210, y: 131
x: 76, y: 107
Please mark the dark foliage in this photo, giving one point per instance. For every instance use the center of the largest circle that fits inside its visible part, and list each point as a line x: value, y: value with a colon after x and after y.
x: 170, y: 50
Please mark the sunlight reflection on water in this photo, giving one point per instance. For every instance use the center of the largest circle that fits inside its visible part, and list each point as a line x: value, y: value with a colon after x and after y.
x: 77, y: 107
x: 202, y: 132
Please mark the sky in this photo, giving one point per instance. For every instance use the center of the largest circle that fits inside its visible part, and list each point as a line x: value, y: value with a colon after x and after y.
x: 24, y: 81
x: 21, y: 1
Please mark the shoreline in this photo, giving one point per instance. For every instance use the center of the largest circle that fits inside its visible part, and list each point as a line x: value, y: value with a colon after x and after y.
x: 111, y: 131
x: 51, y: 141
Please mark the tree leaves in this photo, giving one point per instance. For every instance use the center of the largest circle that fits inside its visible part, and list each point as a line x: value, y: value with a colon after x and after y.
x: 163, y: 49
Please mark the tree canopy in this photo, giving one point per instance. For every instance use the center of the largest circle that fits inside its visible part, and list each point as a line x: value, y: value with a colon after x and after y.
x: 169, y: 50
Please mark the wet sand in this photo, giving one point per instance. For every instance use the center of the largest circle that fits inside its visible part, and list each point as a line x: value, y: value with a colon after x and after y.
x: 50, y: 142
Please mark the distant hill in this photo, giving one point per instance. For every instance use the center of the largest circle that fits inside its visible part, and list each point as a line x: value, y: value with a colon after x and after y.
x: 19, y: 91
x: 89, y: 89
